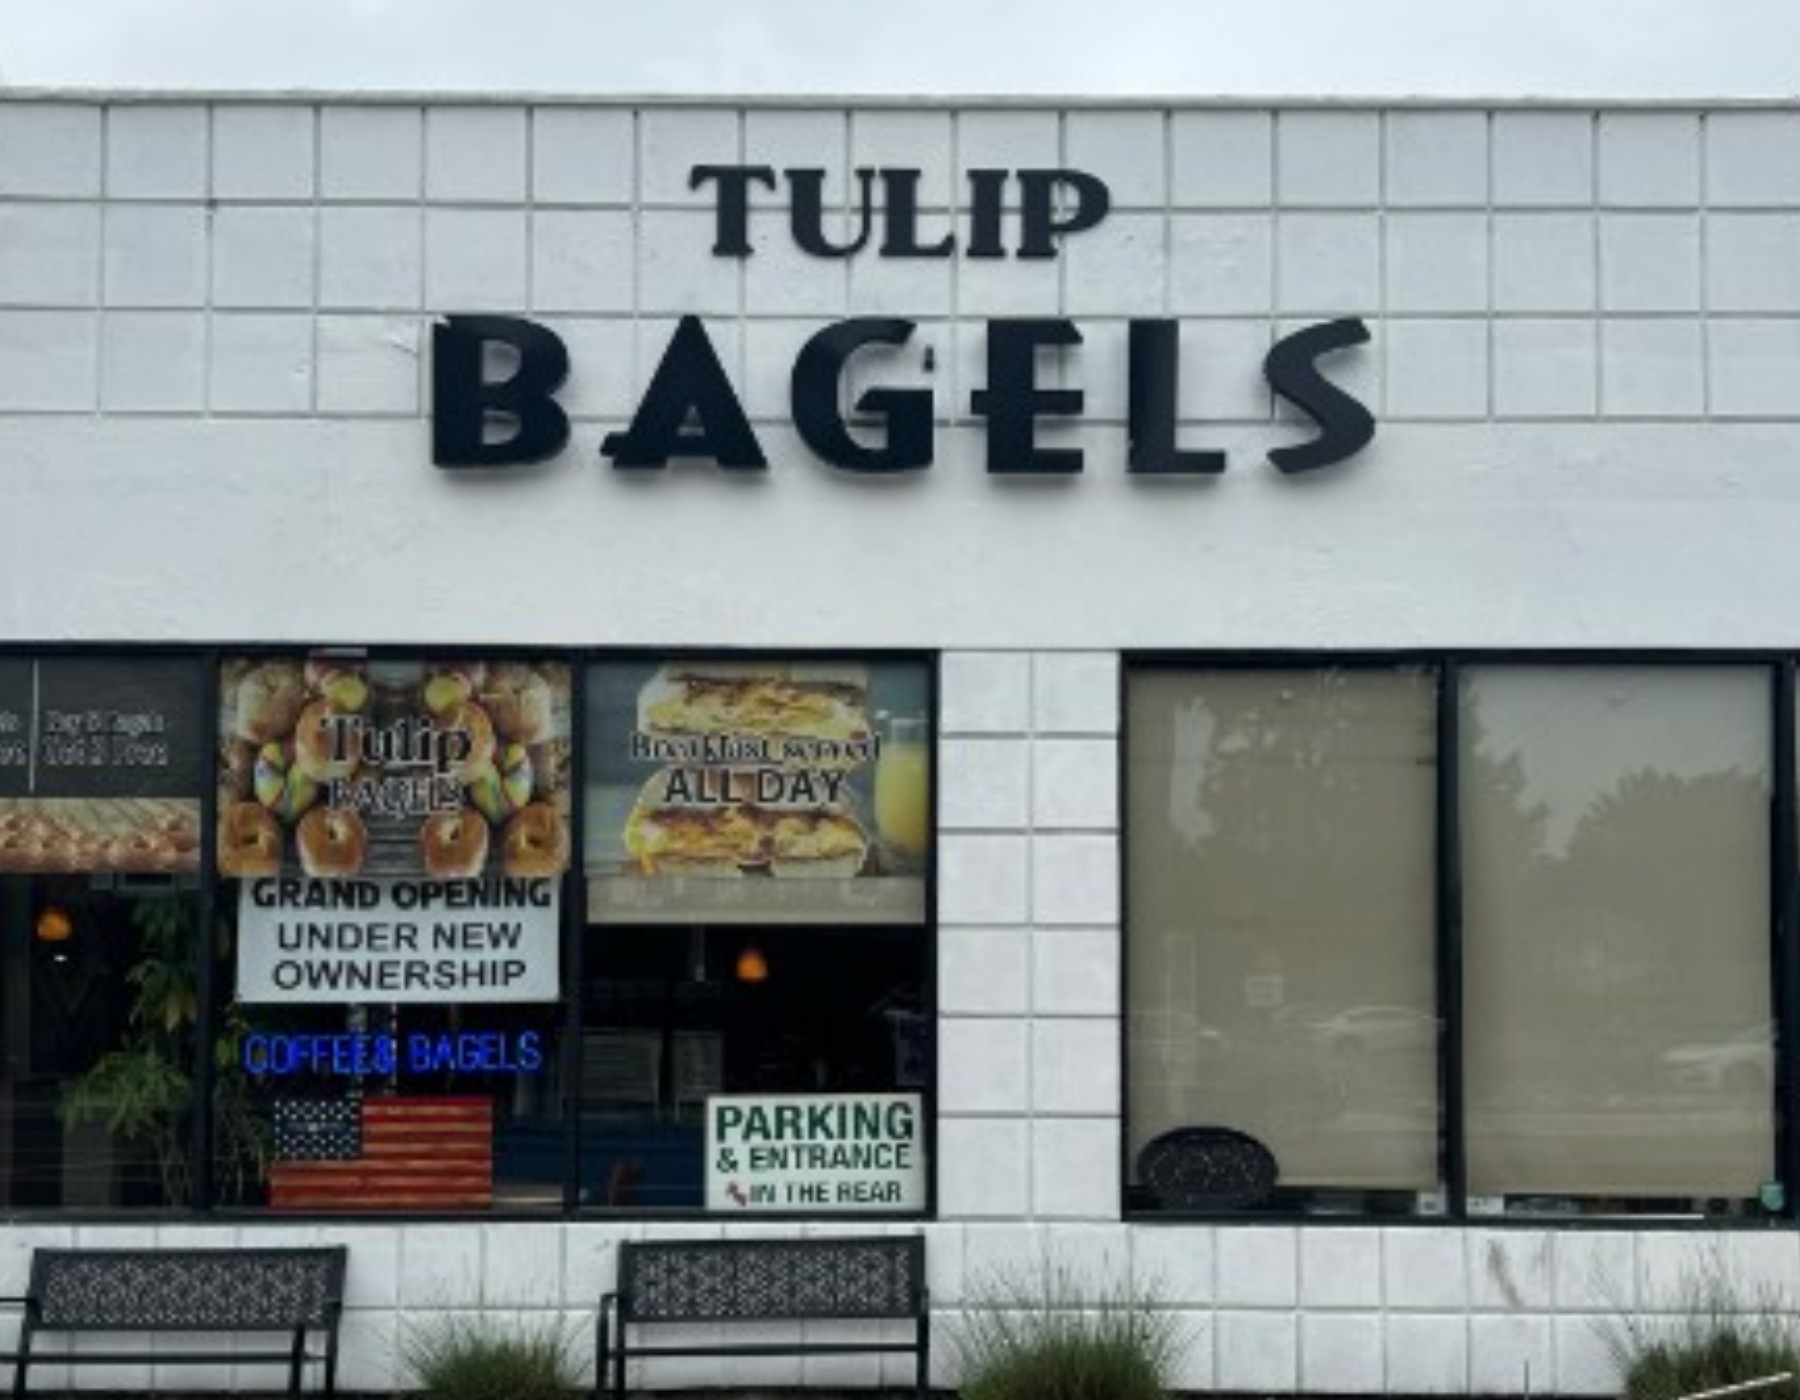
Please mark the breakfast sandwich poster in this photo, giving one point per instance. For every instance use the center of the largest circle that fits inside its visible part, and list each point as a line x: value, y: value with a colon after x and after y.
x: 744, y: 788
x: 340, y: 766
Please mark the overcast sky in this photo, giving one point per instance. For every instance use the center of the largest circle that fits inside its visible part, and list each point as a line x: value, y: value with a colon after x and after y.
x: 1487, y: 48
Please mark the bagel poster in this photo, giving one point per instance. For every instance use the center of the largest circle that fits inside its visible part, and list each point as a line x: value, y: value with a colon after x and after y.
x: 742, y: 788
x: 399, y: 827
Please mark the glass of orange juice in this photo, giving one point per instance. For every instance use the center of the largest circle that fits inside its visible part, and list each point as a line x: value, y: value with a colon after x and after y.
x: 903, y: 786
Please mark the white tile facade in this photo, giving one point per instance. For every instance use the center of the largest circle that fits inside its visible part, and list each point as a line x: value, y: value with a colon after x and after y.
x: 235, y: 298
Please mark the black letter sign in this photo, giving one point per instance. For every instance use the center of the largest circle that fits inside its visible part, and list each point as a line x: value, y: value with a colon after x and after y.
x: 1345, y: 426
x: 1155, y: 367
x: 1012, y: 400
x: 815, y: 397
x: 463, y: 403
x: 690, y: 380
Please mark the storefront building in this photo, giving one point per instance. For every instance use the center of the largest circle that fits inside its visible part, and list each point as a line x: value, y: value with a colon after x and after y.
x: 583, y: 670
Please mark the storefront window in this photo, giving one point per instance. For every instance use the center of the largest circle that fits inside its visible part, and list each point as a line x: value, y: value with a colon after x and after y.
x: 1281, y: 973
x: 756, y: 999
x: 1619, y: 1042
x: 393, y: 833
x: 100, y: 780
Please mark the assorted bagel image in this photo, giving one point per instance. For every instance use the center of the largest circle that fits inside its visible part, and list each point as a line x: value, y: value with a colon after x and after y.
x: 339, y: 767
x: 125, y: 835
x: 758, y: 778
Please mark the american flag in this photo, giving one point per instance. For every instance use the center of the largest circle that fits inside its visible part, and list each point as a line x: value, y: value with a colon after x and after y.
x: 317, y: 1130
x: 407, y: 1153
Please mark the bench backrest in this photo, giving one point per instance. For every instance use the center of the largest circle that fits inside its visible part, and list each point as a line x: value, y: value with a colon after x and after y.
x: 878, y: 1276
x: 187, y: 1289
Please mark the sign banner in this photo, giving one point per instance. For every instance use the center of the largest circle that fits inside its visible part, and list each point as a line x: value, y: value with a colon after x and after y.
x: 324, y: 942
x: 344, y: 767
x: 815, y: 1152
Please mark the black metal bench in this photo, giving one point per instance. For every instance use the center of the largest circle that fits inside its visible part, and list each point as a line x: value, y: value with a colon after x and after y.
x: 874, y: 1279
x: 296, y: 1294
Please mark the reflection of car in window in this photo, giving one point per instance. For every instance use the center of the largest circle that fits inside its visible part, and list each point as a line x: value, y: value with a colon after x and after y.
x: 1739, y: 1062
x: 1357, y: 1029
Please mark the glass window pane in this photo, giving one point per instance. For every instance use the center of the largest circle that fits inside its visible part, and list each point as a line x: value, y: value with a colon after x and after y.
x: 1618, y: 1045
x: 1280, y: 896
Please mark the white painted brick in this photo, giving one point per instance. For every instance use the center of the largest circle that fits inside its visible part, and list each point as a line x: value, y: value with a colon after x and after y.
x: 983, y: 1066
x: 590, y: 1258
x: 784, y: 279
x: 1119, y: 268
x: 602, y: 383
x: 981, y: 879
x: 1753, y: 158
x: 440, y: 1266
x: 1074, y: 784
x: 677, y: 269
x: 521, y: 1265
x: 260, y: 363
x: 983, y: 971
x: 1584, y: 1358
x: 581, y: 156
x: 914, y: 288
x: 1512, y: 1269
x: 909, y: 140
x: 1510, y: 1354
x: 156, y: 152
x: 475, y: 154
x: 371, y: 258
x: 1007, y: 140
x: 1075, y: 879
x: 50, y: 148
x: 1763, y: 1266
x: 51, y: 254
x: 1075, y: 1066
x: 1257, y: 1351
x: 263, y: 257
x: 770, y: 345
x: 998, y: 1259
x: 372, y: 153
x: 1075, y: 693
x: 369, y: 364
x: 983, y: 783
x: 1340, y: 1268
x: 1668, y: 1265
x: 1649, y: 159
x: 1221, y: 264
x: 1427, y: 1354
x: 1437, y: 159
x: 1424, y: 1269
x: 372, y: 1279
x: 983, y: 1168
x: 1437, y: 262
x: 1011, y: 288
x: 1545, y: 369
x: 1222, y: 159
x: 1221, y: 379
x: 1075, y: 1168
x: 263, y: 152
x: 804, y: 139
x: 369, y: 1360
x: 1075, y: 971
x: 1544, y: 262
x: 1328, y: 158
x: 985, y: 692
x: 581, y: 260
x: 1436, y: 369
x: 1543, y: 158
x: 155, y: 256
x: 1593, y: 1270
x: 671, y: 143
x: 1340, y: 1353
x: 154, y: 361
x: 1652, y: 367
x: 474, y: 260
x: 47, y: 360
x: 1649, y: 262
x: 1174, y: 1267
x: 1195, y: 1366
x: 1258, y: 1266
x: 1755, y: 367
x: 1328, y: 264
x: 1753, y: 262
x: 1125, y: 149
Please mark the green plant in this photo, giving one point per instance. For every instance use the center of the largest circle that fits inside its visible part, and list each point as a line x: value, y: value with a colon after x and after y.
x: 1715, y: 1333
x: 1042, y: 1337
x: 460, y: 1356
